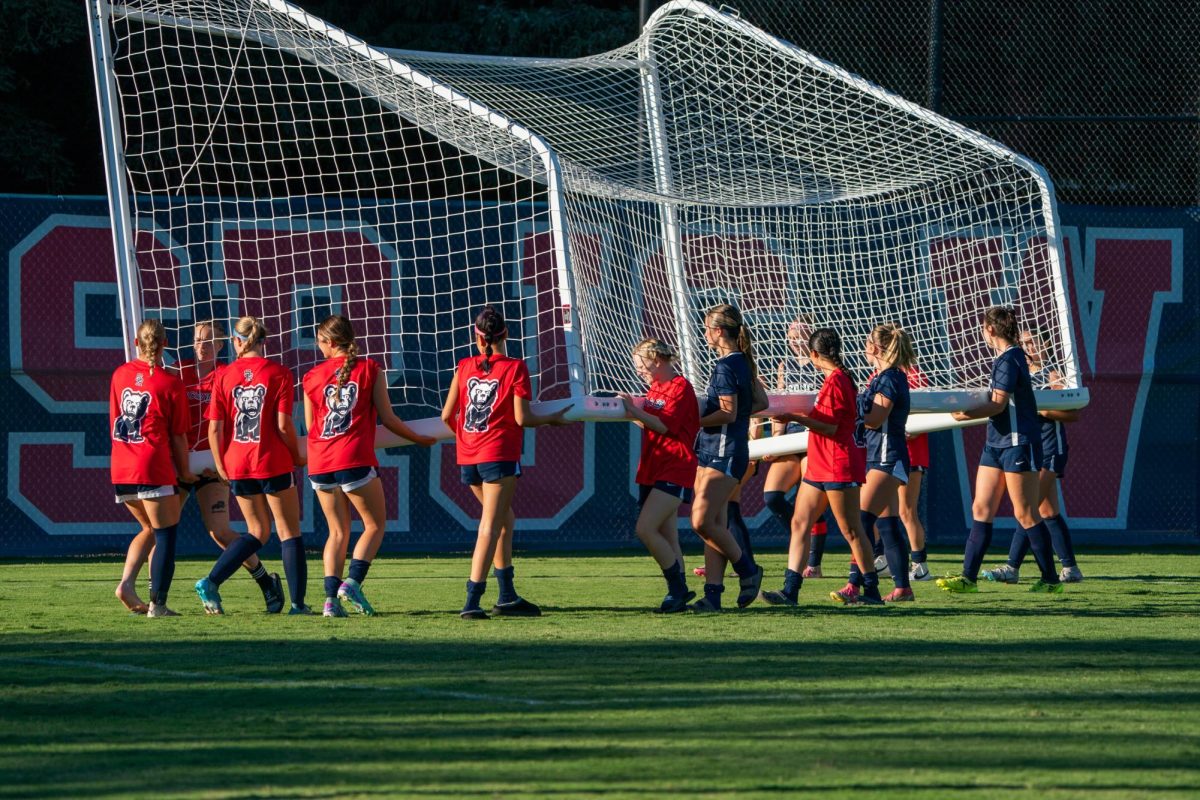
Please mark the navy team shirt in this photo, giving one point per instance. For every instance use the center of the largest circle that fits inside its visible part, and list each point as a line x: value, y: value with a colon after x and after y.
x: 888, y: 444
x: 730, y: 377
x: 1019, y: 423
x: 1054, y: 434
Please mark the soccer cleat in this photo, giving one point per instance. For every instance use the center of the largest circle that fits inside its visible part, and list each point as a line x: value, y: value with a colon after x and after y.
x: 899, y: 595
x: 698, y: 572
x: 517, y: 608
x: 351, y: 592
x: 811, y: 572
x: 160, y: 610
x: 333, y: 608
x: 206, y: 590
x: 273, y: 596
x: 847, y: 595
x: 957, y: 584
x: 675, y: 605
x: 881, y: 566
x: 300, y: 611
x: 1070, y: 575
x: 1002, y: 574
x: 865, y: 599
x: 750, y: 586
x: 920, y: 572
x: 1041, y: 587
x: 777, y: 599
x: 473, y: 613
x: 703, y: 606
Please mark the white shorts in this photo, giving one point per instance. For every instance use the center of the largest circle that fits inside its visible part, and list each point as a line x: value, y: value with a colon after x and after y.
x: 127, y: 492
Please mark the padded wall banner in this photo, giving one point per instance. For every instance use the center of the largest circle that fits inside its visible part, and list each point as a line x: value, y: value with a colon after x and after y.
x: 1131, y: 478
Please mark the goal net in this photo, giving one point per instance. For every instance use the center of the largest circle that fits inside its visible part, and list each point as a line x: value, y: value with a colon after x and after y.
x: 262, y: 161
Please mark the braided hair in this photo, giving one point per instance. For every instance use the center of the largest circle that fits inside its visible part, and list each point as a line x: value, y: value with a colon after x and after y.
x: 340, y: 333
x: 151, y: 336
x: 489, y: 326
x: 826, y: 343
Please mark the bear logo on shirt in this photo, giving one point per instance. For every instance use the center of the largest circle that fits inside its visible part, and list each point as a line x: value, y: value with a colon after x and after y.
x: 339, y: 405
x: 247, y: 421
x: 127, y: 427
x: 481, y: 395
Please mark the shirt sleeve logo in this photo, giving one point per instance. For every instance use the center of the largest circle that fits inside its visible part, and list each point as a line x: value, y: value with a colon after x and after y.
x: 247, y: 419
x: 339, y: 407
x: 481, y: 395
x: 127, y: 427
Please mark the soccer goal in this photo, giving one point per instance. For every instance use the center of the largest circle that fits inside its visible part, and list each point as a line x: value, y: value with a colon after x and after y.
x: 263, y: 161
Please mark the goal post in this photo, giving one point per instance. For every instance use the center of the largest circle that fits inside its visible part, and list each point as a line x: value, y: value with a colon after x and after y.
x: 263, y: 161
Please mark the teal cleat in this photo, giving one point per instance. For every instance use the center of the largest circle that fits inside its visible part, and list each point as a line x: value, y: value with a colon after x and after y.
x: 351, y: 592
x: 206, y: 590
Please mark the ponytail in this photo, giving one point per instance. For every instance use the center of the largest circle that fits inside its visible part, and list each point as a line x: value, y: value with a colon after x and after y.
x: 730, y: 321
x: 491, y: 328
x: 340, y: 333
x: 151, y: 336
x: 895, y: 346
x: 250, y: 332
x: 826, y: 343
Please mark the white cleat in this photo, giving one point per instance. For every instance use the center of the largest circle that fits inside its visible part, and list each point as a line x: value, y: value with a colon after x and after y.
x: 881, y: 566
x: 160, y: 610
x: 1070, y: 575
x: 1001, y: 574
x: 920, y: 572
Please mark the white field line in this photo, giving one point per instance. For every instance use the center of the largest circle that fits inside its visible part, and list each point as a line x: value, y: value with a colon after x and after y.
x: 424, y: 691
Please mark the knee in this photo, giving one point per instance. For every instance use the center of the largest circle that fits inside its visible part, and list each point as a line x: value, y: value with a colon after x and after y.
x: 981, y: 511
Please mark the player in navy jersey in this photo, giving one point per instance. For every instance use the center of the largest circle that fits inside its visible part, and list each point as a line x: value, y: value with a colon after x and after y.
x: 883, y: 408
x: 1010, y: 459
x: 670, y: 418
x: 796, y: 374
x: 723, y: 454
x: 1054, y: 464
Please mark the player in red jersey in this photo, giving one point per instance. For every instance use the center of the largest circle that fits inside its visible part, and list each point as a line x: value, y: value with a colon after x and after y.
x: 670, y: 418
x: 255, y: 450
x: 149, y: 416
x: 343, y: 397
x: 487, y: 407
x: 836, y: 469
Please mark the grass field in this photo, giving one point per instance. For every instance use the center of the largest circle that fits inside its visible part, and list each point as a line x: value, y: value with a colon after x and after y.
x: 1003, y: 694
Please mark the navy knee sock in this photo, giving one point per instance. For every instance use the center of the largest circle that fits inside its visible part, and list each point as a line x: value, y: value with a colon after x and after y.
x: 871, y: 584
x: 780, y: 507
x: 358, y: 570
x: 745, y: 565
x: 792, y: 581
x: 856, y: 575
x: 712, y: 593
x: 162, y: 565
x: 504, y: 577
x: 977, y: 545
x: 296, y: 568
x: 817, y: 549
x: 1060, y: 537
x: 737, y: 526
x: 475, y: 591
x: 919, y: 556
x: 1018, y: 548
x: 1039, y: 543
x: 332, y: 582
x: 245, y: 546
x: 676, y: 582
x: 896, y: 550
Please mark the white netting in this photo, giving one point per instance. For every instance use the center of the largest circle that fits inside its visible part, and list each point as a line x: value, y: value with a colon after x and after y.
x: 293, y: 167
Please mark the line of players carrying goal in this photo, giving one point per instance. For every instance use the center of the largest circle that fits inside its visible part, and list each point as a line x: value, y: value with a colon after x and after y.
x: 862, y: 470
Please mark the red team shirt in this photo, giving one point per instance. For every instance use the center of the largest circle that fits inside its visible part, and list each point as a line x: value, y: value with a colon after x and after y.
x: 199, y: 395
x: 246, y: 396
x: 836, y: 458
x: 918, y: 446
x: 670, y: 456
x: 343, y: 429
x: 145, y: 410
x: 486, y: 429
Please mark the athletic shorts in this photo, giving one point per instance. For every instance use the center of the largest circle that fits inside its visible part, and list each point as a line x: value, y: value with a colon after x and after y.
x: 833, y: 486
x: 345, y: 479
x: 685, y: 494
x: 127, y: 492
x: 203, y: 481
x: 487, y: 472
x: 794, y: 427
x: 1056, y: 463
x: 732, y: 465
x: 897, y: 469
x: 1018, y: 458
x: 248, y: 487
x: 918, y: 468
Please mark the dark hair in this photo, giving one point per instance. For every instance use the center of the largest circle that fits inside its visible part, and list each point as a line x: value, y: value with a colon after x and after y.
x: 826, y: 343
x: 729, y: 320
x: 489, y: 326
x: 340, y: 333
x: 1003, y: 320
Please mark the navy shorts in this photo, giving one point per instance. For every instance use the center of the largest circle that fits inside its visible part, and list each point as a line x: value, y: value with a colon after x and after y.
x: 918, y: 468
x: 734, y: 465
x: 674, y: 489
x: 1056, y: 463
x: 487, y: 472
x: 897, y: 469
x: 127, y: 492
x: 833, y: 486
x: 247, y: 487
x: 794, y: 427
x: 203, y: 481
x: 1018, y: 458
x: 345, y: 479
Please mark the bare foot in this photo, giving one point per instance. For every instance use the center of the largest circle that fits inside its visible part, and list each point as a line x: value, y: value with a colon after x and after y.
x: 129, y: 598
